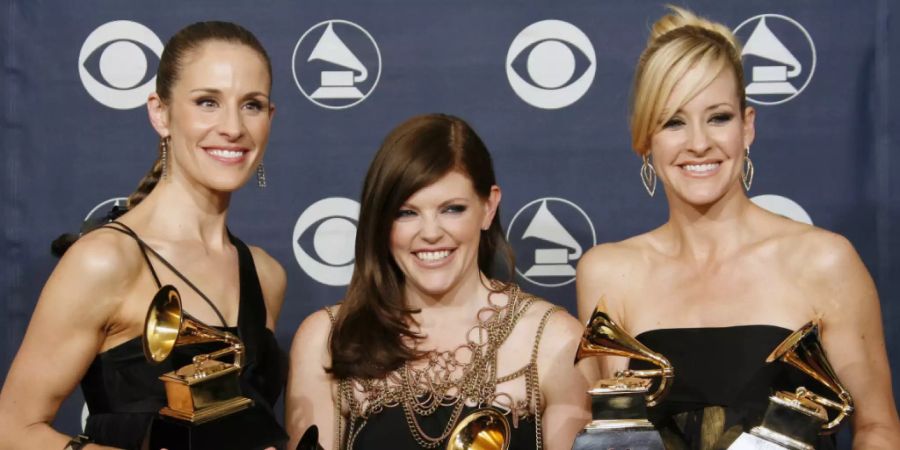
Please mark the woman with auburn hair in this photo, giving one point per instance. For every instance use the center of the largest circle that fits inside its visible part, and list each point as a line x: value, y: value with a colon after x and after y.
x: 719, y: 285
x: 426, y: 334
x: 213, y: 112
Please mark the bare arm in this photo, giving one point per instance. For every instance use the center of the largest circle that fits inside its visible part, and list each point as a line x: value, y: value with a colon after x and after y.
x: 273, y: 281
x: 563, y: 386
x: 67, y: 329
x: 595, y: 287
x: 854, y: 341
x: 311, y: 392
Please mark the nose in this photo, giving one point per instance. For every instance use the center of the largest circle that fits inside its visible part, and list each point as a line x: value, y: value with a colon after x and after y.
x: 698, y: 140
x: 231, y: 124
x: 431, y: 231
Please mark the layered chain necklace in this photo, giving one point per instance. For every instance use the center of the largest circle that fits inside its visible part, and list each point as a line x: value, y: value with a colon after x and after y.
x: 421, y: 387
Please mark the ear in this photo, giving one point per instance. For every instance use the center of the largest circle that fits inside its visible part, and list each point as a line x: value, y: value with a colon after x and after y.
x: 159, y: 114
x: 490, y: 207
x: 749, y: 127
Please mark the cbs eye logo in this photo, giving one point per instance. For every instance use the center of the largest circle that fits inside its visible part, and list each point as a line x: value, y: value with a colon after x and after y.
x: 113, y: 63
x: 328, y: 228
x: 551, y: 64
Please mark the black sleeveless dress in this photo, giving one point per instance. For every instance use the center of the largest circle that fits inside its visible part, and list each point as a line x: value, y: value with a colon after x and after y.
x: 722, y: 383
x: 123, y: 392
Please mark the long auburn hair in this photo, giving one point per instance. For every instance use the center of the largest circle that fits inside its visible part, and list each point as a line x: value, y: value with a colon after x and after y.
x: 371, y: 334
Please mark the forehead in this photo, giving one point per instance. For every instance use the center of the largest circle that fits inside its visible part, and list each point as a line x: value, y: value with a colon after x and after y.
x: 690, y: 93
x: 454, y: 184
x: 221, y: 62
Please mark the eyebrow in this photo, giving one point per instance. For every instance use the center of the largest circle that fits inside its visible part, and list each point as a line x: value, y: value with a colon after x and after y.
x: 218, y: 91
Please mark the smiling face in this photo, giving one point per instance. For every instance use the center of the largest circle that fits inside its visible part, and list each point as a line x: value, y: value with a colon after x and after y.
x: 435, y: 235
x: 218, y: 115
x: 698, y: 151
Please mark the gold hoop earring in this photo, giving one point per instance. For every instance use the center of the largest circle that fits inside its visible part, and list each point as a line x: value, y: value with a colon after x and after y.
x: 747, y: 170
x: 261, y: 175
x: 648, y: 176
x: 164, y: 156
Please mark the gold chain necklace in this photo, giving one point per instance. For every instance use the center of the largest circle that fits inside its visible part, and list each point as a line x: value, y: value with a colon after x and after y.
x: 421, y: 391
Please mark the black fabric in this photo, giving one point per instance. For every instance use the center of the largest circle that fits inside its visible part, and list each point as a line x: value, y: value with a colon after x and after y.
x: 720, y: 367
x: 124, y: 394
x: 389, y: 429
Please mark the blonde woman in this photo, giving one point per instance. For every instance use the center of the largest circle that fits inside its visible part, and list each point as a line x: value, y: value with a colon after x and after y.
x: 722, y: 282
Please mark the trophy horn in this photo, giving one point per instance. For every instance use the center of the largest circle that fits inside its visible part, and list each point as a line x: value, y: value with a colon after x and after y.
x: 484, y: 429
x: 602, y: 336
x: 167, y: 326
x: 803, y: 350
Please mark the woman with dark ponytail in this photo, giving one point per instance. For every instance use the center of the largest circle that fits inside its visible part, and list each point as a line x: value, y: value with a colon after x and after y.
x: 212, y: 110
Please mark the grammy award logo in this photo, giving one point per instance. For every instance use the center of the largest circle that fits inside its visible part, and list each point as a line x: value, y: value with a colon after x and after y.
x: 334, y: 63
x: 779, y: 58
x: 549, y: 236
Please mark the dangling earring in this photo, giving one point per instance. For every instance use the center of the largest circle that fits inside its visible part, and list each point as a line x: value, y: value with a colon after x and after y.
x: 260, y: 175
x: 164, y: 156
x: 648, y: 176
x: 747, y: 170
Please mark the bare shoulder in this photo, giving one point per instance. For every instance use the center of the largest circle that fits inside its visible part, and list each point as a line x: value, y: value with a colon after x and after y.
x: 272, y: 280
x: 607, y: 272
x: 270, y: 271
x: 818, y: 253
x: 103, y: 257
x: 313, y: 333
x: 559, y: 326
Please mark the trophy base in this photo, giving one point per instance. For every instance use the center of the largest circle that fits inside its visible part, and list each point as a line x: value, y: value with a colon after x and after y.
x: 618, y: 439
x: 751, y: 441
x: 210, y: 412
x: 249, y: 429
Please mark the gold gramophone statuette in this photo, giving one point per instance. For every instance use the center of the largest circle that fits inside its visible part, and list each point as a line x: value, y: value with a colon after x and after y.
x: 619, y: 405
x: 207, y: 388
x: 484, y: 429
x: 793, y: 420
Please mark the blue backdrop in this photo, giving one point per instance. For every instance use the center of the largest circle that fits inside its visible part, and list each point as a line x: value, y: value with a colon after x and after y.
x: 546, y: 84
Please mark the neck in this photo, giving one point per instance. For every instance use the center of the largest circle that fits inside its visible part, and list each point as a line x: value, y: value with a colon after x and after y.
x: 459, y: 302
x: 180, y: 211
x: 709, y: 232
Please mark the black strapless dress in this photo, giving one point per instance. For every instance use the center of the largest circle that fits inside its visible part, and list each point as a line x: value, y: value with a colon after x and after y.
x: 123, y: 392
x: 722, y: 383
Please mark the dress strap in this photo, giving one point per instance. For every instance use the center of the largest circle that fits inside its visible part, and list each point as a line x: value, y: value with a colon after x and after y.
x: 127, y: 230
x: 533, y: 382
x: 124, y: 229
x: 330, y: 311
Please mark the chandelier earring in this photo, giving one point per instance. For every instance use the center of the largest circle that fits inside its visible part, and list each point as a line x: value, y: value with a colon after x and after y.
x: 747, y: 170
x: 261, y: 175
x: 648, y: 175
x: 164, y: 156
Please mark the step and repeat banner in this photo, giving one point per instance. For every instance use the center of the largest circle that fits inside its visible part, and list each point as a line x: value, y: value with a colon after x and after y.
x: 546, y: 85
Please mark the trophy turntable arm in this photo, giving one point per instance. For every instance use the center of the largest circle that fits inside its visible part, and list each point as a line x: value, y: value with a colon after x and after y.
x: 665, y: 374
x: 844, y: 409
x: 236, y: 348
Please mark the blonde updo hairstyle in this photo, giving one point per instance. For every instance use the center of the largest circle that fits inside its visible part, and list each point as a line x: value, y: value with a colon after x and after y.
x: 679, y: 42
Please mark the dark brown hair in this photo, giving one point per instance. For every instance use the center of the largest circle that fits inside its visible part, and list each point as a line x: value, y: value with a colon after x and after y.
x: 371, y: 334
x: 179, y: 46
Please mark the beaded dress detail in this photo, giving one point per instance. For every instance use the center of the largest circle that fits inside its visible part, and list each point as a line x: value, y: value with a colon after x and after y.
x: 450, y: 383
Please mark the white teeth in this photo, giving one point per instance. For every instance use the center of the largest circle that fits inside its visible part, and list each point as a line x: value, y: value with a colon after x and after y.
x: 232, y: 154
x: 700, y: 167
x: 432, y: 256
